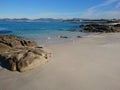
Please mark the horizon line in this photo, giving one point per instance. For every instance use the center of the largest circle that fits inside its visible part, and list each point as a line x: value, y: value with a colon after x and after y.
x: 54, y: 18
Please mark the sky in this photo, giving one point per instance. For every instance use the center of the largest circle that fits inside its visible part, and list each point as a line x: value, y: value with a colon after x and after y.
x: 91, y: 9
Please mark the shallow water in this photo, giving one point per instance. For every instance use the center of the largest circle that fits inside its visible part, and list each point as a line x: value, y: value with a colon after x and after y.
x: 42, y: 32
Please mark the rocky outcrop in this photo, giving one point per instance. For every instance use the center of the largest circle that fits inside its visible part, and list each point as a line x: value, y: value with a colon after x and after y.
x: 8, y: 41
x: 18, y: 54
x: 101, y: 28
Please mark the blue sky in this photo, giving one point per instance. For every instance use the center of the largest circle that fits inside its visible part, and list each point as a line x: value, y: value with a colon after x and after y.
x: 60, y: 8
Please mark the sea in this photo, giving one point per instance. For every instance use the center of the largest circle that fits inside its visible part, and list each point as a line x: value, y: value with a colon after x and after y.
x: 43, y: 33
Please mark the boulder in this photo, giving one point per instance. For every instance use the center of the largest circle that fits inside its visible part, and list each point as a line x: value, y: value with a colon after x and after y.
x: 18, y: 54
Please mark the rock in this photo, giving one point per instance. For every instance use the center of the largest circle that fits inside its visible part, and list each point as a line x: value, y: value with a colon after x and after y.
x: 3, y: 47
x: 25, y: 56
x: 117, y: 25
x: 9, y: 41
x: 82, y: 26
x: 63, y: 37
x: 101, y: 28
x: 79, y: 37
x: 25, y: 59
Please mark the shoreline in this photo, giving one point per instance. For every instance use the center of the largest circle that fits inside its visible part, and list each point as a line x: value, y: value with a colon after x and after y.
x: 58, y: 39
x: 89, y: 63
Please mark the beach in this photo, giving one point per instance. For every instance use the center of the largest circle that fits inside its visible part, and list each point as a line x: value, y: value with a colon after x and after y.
x: 89, y: 63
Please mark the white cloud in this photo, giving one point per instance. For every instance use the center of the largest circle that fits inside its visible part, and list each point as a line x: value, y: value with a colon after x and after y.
x: 106, y: 3
x: 96, y: 11
x: 118, y: 5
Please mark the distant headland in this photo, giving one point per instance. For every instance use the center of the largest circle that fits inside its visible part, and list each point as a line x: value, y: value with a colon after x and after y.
x: 29, y: 20
x: 74, y: 20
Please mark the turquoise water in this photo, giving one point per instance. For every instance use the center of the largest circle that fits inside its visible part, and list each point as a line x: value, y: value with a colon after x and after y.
x: 42, y: 32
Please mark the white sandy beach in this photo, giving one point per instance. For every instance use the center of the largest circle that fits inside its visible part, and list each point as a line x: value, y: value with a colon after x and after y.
x: 90, y: 63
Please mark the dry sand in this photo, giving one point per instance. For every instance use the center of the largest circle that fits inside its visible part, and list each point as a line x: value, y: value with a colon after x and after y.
x: 90, y: 63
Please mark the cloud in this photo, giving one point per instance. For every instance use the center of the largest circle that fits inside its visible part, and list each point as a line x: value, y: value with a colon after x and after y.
x: 106, y: 3
x: 118, y: 5
x: 97, y: 12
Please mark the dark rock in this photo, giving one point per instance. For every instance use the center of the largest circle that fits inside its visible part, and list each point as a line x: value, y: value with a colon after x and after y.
x: 79, y: 37
x: 82, y: 26
x: 101, y: 28
x: 18, y: 54
x: 63, y: 37
x: 117, y: 25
